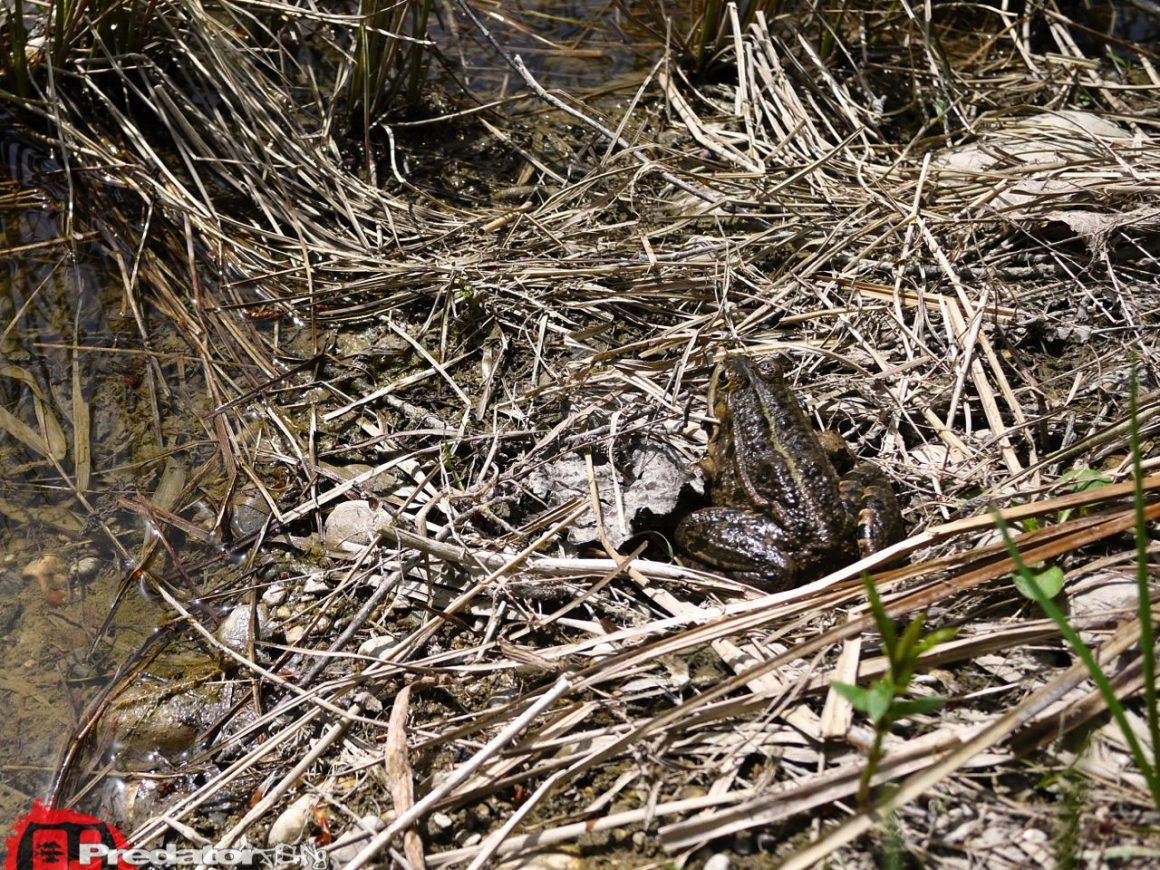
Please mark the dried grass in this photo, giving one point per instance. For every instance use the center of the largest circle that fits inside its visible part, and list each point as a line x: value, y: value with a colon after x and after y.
x: 455, y: 352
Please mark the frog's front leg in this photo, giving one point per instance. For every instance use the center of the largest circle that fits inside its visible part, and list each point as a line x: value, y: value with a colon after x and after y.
x: 869, y: 498
x: 747, y: 544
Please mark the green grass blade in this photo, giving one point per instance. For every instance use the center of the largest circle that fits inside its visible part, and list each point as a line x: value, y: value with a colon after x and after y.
x: 1144, y: 599
x: 881, y: 617
x: 17, y: 61
x: 1089, y: 660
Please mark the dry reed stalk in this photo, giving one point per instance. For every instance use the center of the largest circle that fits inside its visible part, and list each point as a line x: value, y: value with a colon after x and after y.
x: 452, y: 354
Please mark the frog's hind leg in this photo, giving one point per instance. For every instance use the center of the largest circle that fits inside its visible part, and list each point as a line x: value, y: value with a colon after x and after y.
x: 740, y: 542
x: 869, y: 498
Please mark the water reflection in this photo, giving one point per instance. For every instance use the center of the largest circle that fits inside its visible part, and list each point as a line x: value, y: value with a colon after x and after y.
x: 73, y: 440
x: 570, y: 44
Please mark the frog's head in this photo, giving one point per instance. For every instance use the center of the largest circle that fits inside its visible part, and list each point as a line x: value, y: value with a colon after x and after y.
x: 744, y: 371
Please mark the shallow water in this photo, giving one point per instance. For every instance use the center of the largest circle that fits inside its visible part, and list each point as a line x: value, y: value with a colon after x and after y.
x: 574, y: 45
x: 77, y: 377
x: 77, y: 439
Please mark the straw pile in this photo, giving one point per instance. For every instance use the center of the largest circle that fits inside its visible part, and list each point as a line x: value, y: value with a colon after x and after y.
x: 458, y: 412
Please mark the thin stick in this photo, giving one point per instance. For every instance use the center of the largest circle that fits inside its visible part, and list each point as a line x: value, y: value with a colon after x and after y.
x: 459, y: 775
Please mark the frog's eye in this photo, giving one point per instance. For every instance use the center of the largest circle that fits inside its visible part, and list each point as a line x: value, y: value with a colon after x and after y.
x: 770, y: 368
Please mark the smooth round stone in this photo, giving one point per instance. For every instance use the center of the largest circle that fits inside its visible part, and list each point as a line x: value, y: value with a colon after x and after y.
x: 353, y: 523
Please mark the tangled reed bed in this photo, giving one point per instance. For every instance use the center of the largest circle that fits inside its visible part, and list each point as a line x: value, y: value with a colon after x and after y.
x: 503, y: 389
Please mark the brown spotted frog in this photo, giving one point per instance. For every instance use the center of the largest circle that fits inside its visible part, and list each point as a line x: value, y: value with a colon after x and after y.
x: 781, y: 513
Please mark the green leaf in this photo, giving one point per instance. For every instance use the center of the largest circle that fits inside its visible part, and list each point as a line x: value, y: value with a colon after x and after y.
x: 1046, y: 584
x: 1146, y: 765
x: 1081, y: 479
x: 881, y: 696
x: 930, y: 641
x: 858, y: 697
x: 902, y: 657
x: 881, y: 619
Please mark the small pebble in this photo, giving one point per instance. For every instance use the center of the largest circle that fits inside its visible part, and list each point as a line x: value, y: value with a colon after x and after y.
x: 275, y: 595
x: 315, y: 585
x: 249, y: 514
x: 767, y: 841
x: 294, y: 634
x: 344, y: 854
x: 86, y: 568
x: 290, y: 826
x: 234, y: 631
x: 552, y: 860
x: 502, y: 695
x: 369, y: 703
x: 743, y: 845
x: 376, y: 647
x: 353, y: 523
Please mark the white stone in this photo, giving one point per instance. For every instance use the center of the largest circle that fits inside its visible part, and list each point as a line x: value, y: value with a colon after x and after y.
x: 376, y: 647
x: 234, y: 631
x: 274, y: 595
x: 290, y: 826
x: 353, y: 523
x: 315, y: 585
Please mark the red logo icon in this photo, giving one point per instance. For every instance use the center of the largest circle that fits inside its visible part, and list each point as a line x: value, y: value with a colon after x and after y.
x: 48, y: 839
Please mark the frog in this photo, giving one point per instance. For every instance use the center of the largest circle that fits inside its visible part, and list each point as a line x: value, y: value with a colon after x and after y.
x: 159, y: 715
x: 788, y: 504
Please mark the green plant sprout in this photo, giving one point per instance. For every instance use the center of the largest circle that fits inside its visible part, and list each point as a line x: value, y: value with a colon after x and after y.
x: 884, y: 701
x: 1050, y: 579
x: 1048, y: 582
x: 1081, y: 480
x: 1075, y: 480
x: 1034, y: 587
